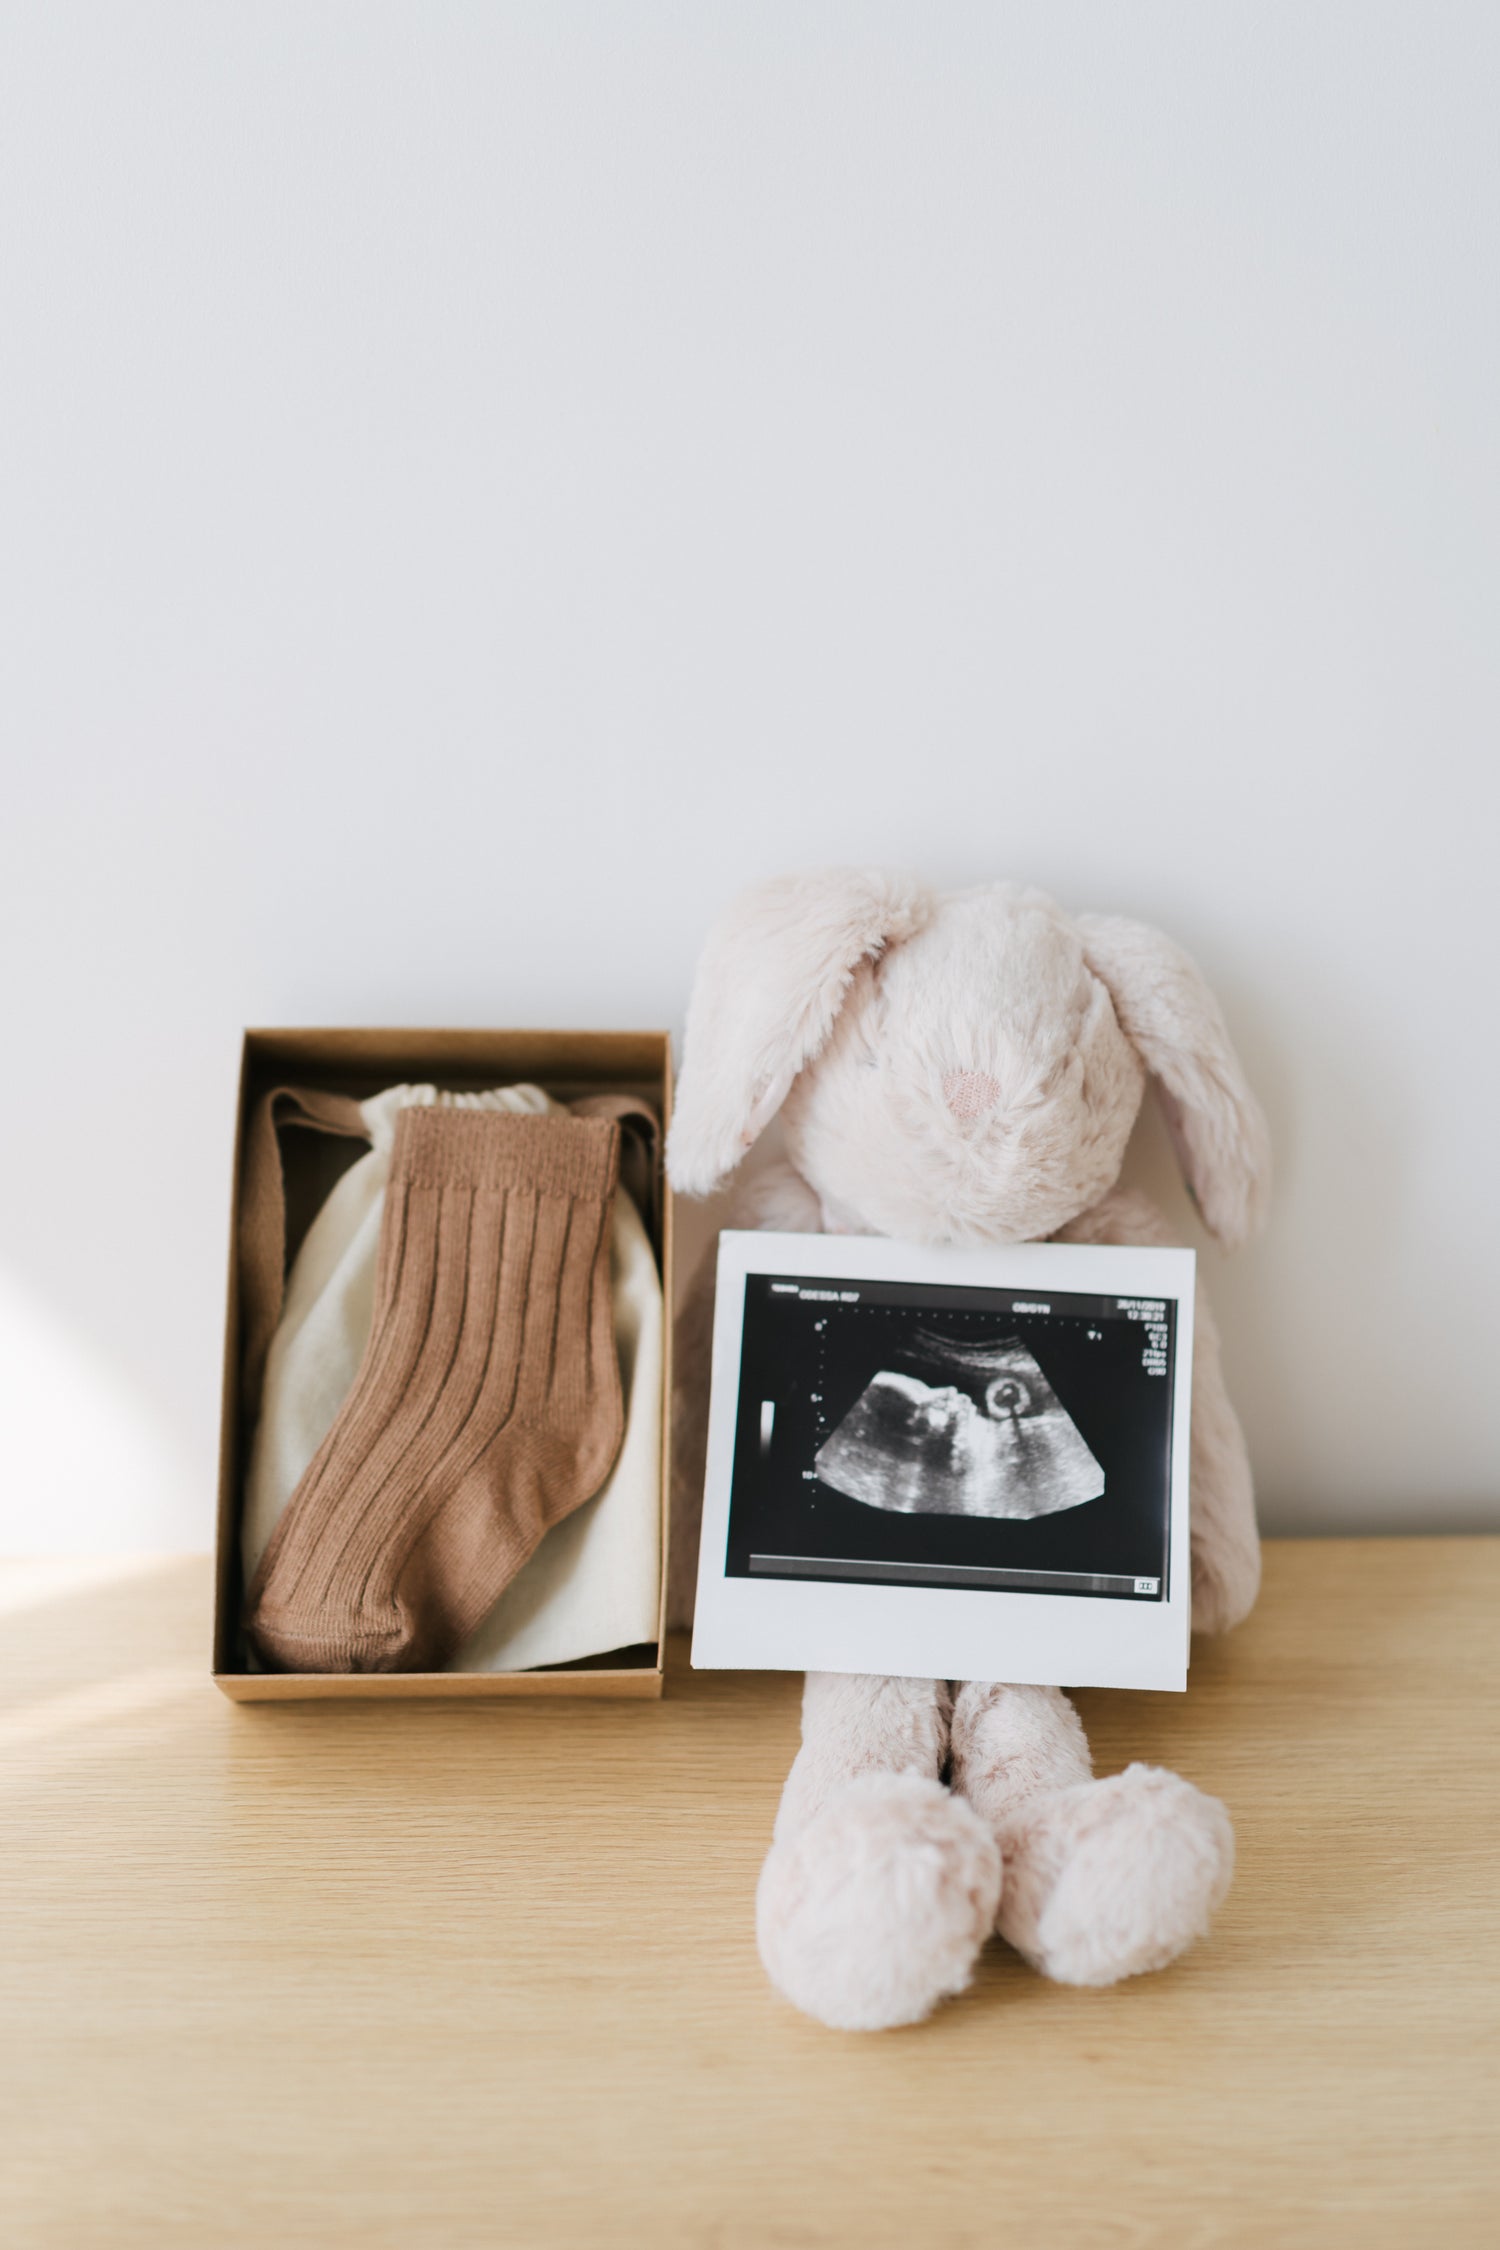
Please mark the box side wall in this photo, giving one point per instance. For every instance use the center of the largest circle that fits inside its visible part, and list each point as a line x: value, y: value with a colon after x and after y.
x: 226, y: 1534
x: 365, y: 1061
x: 669, y: 1327
x: 639, y: 1684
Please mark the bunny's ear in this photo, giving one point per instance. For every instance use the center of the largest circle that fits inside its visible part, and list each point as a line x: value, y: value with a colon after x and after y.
x: 770, y: 982
x: 1168, y: 1013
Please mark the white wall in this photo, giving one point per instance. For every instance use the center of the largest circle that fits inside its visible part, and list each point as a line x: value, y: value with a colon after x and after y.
x: 477, y: 483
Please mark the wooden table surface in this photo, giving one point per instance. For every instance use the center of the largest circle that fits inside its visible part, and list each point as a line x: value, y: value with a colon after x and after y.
x: 437, y: 1975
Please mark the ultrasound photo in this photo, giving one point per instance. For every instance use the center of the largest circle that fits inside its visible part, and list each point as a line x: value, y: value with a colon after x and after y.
x: 921, y: 1434
x: 961, y: 1429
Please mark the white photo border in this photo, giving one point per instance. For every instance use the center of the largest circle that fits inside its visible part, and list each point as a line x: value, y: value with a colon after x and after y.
x: 930, y: 1632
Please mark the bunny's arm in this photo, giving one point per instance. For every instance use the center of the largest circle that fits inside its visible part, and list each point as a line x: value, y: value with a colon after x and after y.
x: 778, y: 1198
x: 1225, y: 1541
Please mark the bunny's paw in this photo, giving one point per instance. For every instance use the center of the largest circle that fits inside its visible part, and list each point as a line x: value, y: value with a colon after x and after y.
x: 1109, y: 1878
x: 877, y: 1909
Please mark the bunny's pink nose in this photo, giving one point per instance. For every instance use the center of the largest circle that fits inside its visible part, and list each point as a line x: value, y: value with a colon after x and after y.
x: 969, y: 1093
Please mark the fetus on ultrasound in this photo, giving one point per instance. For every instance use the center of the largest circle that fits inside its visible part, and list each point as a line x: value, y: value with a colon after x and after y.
x: 961, y: 1429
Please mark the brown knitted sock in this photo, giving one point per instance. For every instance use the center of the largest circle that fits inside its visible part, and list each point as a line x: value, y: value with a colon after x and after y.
x: 487, y: 1406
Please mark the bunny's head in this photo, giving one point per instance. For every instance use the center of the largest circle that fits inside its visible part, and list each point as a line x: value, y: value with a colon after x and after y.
x: 956, y: 1069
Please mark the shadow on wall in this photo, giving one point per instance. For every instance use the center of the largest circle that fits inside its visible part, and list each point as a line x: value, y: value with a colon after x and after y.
x: 86, y: 1457
x: 1322, y: 1314
x: 1328, y: 1320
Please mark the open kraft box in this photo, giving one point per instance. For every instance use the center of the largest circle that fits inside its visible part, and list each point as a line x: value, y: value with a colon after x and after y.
x: 566, y: 1064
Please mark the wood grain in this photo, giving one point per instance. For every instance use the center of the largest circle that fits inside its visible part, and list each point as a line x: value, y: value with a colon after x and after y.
x: 446, y: 1975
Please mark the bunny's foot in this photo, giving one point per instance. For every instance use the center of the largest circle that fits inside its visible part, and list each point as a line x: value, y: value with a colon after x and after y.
x: 1109, y: 1878
x: 1102, y: 1878
x: 876, y: 1909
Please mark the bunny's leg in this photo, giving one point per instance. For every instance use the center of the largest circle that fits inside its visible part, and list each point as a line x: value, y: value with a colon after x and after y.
x: 1106, y: 1878
x: 880, y: 1887
x: 1103, y: 1879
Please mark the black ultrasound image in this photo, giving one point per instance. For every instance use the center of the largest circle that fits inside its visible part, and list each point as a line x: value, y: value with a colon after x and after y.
x: 964, y: 1430
x: 905, y: 1433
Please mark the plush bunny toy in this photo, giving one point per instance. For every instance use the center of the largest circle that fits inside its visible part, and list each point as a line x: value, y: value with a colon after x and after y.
x: 967, y: 1069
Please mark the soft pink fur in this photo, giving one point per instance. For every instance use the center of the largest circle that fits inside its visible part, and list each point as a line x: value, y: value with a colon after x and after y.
x: 847, y: 999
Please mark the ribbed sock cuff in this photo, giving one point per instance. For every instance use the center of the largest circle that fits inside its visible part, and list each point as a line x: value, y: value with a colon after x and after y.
x: 576, y: 1156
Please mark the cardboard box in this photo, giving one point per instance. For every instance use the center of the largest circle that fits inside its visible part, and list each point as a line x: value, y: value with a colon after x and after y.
x: 566, y: 1064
